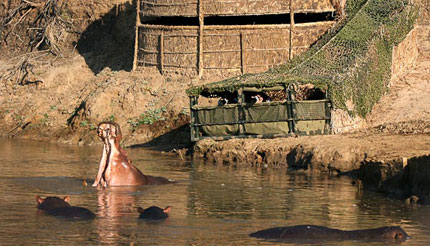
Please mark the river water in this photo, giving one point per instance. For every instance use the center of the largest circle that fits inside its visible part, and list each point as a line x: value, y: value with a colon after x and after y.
x: 210, y: 205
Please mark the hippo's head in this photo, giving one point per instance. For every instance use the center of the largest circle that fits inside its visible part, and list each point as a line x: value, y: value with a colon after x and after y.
x: 52, y: 202
x: 106, y: 130
x: 395, y: 232
x: 154, y: 213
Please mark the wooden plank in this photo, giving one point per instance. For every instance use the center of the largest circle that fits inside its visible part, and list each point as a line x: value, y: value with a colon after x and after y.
x: 171, y: 35
x: 201, y: 27
x: 150, y: 26
x: 179, y: 53
x: 242, y: 53
x: 222, y: 67
x: 136, y: 37
x: 269, y: 49
x: 222, y: 35
x: 161, y: 52
x: 176, y: 65
x: 192, y: 120
x: 168, y: 4
x: 220, y: 51
x: 291, y: 29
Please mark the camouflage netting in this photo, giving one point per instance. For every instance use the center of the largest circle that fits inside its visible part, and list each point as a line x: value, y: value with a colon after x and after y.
x: 352, y: 61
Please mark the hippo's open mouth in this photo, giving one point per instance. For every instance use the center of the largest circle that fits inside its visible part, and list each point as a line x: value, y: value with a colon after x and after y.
x: 115, y: 168
x: 108, y: 133
x: 105, y: 135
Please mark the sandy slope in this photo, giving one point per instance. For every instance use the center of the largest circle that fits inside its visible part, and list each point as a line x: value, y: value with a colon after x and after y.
x: 409, y: 98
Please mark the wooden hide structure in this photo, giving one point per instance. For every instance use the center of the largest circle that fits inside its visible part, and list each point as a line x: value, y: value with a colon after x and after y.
x: 226, y: 50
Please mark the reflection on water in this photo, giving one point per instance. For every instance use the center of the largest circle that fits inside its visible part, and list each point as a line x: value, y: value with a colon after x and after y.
x: 210, y: 205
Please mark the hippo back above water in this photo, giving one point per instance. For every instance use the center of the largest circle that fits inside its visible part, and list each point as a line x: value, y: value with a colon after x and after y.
x: 58, y: 207
x: 72, y: 212
x: 313, y: 232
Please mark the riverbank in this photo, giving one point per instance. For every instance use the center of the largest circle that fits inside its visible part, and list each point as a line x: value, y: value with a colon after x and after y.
x: 389, y: 152
x: 394, y: 164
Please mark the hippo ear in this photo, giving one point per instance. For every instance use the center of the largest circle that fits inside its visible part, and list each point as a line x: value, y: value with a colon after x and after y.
x: 167, y: 209
x: 140, y: 210
x: 66, y: 198
x: 39, y: 199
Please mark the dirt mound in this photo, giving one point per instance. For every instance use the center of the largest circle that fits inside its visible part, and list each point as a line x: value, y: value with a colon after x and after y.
x: 70, y: 102
x: 80, y: 75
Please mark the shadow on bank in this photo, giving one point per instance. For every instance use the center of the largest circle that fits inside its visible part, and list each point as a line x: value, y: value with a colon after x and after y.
x: 176, y: 139
x: 109, y: 41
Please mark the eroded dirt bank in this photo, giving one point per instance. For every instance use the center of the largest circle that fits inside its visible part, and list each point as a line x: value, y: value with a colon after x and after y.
x: 58, y: 83
x: 397, y: 164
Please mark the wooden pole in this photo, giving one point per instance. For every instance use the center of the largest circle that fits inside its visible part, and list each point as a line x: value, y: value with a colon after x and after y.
x: 161, y: 52
x: 242, y: 53
x: 291, y: 29
x: 201, y: 27
x: 192, y: 121
x: 136, y: 36
x: 241, y: 114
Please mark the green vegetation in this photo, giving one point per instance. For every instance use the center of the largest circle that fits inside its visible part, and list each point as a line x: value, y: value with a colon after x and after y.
x: 352, y: 61
x: 149, y: 117
x: 18, y: 118
x: 84, y: 123
x: 87, y: 124
x: 44, y: 121
x: 110, y: 118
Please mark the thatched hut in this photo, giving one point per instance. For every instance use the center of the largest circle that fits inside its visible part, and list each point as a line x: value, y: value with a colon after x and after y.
x: 228, y: 37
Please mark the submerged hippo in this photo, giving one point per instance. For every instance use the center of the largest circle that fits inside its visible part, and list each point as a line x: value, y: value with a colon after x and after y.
x: 153, y: 213
x: 52, y: 202
x: 115, y: 168
x: 61, y: 208
x: 313, y: 232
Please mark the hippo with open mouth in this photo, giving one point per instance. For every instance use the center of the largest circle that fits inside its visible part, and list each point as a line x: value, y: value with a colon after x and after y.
x: 115, y: 168
x: 313, y: 232
x: 60, y: 207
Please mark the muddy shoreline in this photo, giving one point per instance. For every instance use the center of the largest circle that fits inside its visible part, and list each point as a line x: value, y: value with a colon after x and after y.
x: 397, y: 165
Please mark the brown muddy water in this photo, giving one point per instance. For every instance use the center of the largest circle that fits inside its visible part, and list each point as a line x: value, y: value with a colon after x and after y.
x: 210, y: 205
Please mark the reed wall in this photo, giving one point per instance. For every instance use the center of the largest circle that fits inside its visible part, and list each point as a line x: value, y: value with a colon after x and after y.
x: 232, y: 7
x: 237, y: 49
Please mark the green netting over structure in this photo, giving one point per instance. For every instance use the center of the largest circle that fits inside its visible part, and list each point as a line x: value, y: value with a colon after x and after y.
x: 352, y: 61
